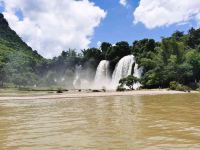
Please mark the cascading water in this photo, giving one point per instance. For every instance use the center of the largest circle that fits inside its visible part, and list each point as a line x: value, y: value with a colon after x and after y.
x: 102, y: 77
x: 137, y: 73
x: 77, y: 80
x: 123, y: 69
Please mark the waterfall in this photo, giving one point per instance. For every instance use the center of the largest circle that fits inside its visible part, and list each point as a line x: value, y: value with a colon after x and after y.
x: 102, y: 77
x: 137, y: 73
x: 122, y: 69
x: 77, y: 80
x: 80, y: 82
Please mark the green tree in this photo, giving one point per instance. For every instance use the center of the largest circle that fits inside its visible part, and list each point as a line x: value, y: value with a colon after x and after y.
x: 105, y: 47
x: 2, y: 74
x: 193, y: 58
x: 129, y: 81
x: 120, y: 50
x: 194, y: 38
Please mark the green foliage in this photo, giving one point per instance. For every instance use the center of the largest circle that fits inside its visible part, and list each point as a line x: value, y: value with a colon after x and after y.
x: 194, y: 38
x: 171, y: 60
x: 105, y: 47
x: 120, y: 88
x: 178, y: 35
x: 18, y: 62
x: 92, y: 57
x: 193, y: 58
x: 179, y: 87
x: 129, y: 81
x: 120, y: 50
x: 115, y: 53
x: 173, y: 85
x: 143, y: 49
x: 92, y: 53
x: 59, y: 90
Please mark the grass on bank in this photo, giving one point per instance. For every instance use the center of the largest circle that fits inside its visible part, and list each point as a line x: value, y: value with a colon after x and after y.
x: 24, y: 91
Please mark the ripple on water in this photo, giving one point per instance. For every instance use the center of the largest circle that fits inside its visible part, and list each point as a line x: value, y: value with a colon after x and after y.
x: 143, y: 122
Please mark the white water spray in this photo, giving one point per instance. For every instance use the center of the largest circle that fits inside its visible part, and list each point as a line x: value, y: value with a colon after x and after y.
x: 102, y: 77
x: 77, y: 80
x: 122, y: 70
x: 137, y: 73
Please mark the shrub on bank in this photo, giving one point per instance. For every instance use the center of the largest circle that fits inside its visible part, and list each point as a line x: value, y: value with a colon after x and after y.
x: 198, y: 89
x: 173, y: 85
x: 120, y: 89
x: 179, y: 87
x: 96, y: 91
x: 59, y: 90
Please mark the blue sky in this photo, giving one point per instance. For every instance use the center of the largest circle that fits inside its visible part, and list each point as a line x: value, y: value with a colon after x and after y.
x: 53, y: 26
x: 118, y: 24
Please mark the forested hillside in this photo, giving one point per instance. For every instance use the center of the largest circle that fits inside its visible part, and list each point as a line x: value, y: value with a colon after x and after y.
x: 18, y: 62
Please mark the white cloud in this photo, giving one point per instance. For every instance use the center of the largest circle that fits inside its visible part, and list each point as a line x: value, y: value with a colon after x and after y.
x: 123, y: 2
x: 157, y: 13
x: 51, y: 26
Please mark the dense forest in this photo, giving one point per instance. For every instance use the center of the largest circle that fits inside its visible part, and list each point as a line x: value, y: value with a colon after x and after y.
x: 175, y: 59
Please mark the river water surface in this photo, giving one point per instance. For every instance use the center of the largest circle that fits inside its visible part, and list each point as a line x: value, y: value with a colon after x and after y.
x: 101, y: 123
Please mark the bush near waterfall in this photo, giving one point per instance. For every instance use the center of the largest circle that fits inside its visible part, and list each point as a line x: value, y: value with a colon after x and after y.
x: 120, y: 89
x: 59, y: 90
x: 129, y: 81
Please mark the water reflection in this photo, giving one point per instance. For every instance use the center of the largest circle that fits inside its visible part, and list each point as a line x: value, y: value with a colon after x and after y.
x: 145, y: 122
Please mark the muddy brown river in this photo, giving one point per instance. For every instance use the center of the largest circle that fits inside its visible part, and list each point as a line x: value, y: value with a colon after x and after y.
x: 162, y: 122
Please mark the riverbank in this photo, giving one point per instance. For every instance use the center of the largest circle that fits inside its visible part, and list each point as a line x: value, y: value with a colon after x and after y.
x: 84, y: 94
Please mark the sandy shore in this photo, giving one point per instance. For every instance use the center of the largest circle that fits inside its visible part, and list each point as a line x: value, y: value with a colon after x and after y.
x: 93, y: 94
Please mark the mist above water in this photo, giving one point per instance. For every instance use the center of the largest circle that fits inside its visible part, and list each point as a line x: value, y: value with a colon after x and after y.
x: 81, y: 81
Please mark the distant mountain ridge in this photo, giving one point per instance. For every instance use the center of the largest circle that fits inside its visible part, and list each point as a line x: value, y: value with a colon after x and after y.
x: 9, y: 38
